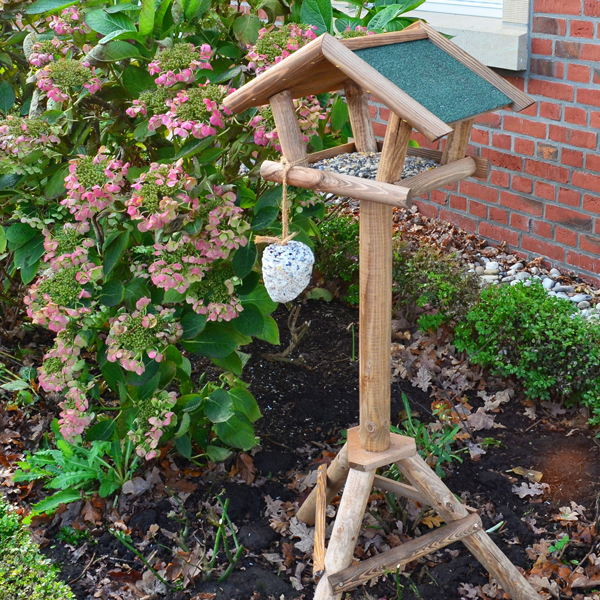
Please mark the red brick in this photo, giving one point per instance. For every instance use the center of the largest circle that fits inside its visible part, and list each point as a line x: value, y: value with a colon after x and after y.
x: 579, y: 73
x: 477, y: 209
x: 384, y: 113
x: 439, y: 197
x: 588, y: 97
x: 591, y: 204
x: 577, y: 116
x: 499, y: 234
x: 426, y: 209
x: 573, y: 158
x: 545, y: 190
x: 501, y: 141
x: 379, y: 129
x: 539, y: 46
x: 547, y: 68
x: 458, y: 202
x: 547, y: 152
x: 583, y: 261
x: 549, y: 26
x: 558, y: 7
x: 573, y: 137
x: 480, y: 136
x: 525, y: 126
x: 546, y: 171
x: 565, y: 236
x: 460, y: 220
x: 551, y: 89
x: 530, y: 111
x: 596, y: 76
x: 373, y: 111
x: 587, y: 181
x: 543, y: 248
x: 493, y: 120
x: 518, y: 82
x: 523, y: 146
x: 570, y: 197
x: 500, y: 179
x: 542, y: 229
x: 548, y: 110
x: 502, y: 159
x: 592, y: 162
x: 522, y: 204
x: 522, y: 184
x: 498, y: 215
x: 590, y: 52
x: 582, y: 29
x: 565, y: 49
x: 590, y: 243
x: 479, y: 191
x: 595, y: 119
x: 519, y: 221
x: 570, y: 218
x: 591, y: 8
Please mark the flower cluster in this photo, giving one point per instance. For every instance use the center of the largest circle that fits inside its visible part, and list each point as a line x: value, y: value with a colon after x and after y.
x: 73, y: 416
x: 69, y: 21
x: 141, y: 333
x: 92, y: 184
x: 276, y: 43
x: 179, y: 265
x: 47, y: 51
x: 59, y: 77
x: 177, y: 64
x: 61, y: 363
x: 198, y: 112
x: 161, y: 196
x: 151, y: 102
x: 153, y: 416
x: 20, y: 136
x: 358, y: 31
x: 214, y: 295
x: 67, y: 246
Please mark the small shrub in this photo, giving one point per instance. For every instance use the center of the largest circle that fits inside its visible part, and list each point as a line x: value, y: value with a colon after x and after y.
x: 542, y: 340
x: 24, y: 573
x: 430, y: 279
x: 336, y: 256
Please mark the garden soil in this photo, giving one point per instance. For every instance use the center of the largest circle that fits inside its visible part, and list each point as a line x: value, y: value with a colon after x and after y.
x: 307, y: 402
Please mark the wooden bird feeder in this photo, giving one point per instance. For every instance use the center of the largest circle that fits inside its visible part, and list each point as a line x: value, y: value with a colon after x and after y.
x: 430, y: 85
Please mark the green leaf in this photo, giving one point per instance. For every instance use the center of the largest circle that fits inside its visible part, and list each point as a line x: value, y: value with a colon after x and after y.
x: 7, y: 96
x: 215, y: 341
x: 184, y: 446
x: 105, y: 23
x: 383, y: 17
x: 237, y: 431
x: 167, y: 370
x: 184, y: 425
x: 319, y: 13
x: 42, y: 6
x: 122, y: 8
x: 135, y: 290
x: 29, y: 253
x: 260, y: 297
x: 19, y: 234
x: 265, y: 217
x: 244, y: 259
x: 219, y: 406
x: 29, y: 272
x: 49, y: 505
x: 114, y: 251
x: 246, y: 28
x: 232, y: 363
x: 217, y: 453
x: 112, y: 293
x: 56, y: 184
x: 244, y: 402
x: 146, y: 23
x: 250, y: 321
x: 101, y: 431
x: 3, y: 240
x: 137, y: 80
x: 193, y: 147
x: 192, y: 324
x: 194, y: 9
x: 272, y: 197
x: 339, y: 114
x: 114, y: 51
x: 270, y: 332
x: 191, y: 402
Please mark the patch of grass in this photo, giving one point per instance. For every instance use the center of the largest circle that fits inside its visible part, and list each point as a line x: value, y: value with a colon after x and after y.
x: 25, y: 574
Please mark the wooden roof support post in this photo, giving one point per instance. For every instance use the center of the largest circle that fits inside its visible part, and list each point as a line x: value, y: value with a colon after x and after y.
x: 288, y: 129
x: 458, y: 142
x: 360, y: 117
x: 376, y: 296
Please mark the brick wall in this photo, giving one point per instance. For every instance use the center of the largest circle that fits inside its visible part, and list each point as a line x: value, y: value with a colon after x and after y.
x: 543, y: 196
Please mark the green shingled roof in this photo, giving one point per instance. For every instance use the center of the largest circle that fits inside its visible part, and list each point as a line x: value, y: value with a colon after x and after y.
x: 435, y: 79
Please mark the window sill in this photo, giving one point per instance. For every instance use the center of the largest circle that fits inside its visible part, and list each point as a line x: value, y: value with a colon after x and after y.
x: 491, y: 41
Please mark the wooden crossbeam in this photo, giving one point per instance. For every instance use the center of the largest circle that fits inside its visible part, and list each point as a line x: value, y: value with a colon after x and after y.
x: 320, y: 522
x: 433, y: 179
x: 396, y: 557
x: 400, y: 489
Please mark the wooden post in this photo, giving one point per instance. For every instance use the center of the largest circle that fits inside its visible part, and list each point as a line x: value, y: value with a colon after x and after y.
x: 481, y: 546
x: 345, y: 530
x: 457, y: 142
x: 375, y: 304
x: 288, y: 128
x: 320, y: 522
x: 360, y: 117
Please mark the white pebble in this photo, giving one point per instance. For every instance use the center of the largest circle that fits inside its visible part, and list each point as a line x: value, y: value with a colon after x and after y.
x: 287, y: 270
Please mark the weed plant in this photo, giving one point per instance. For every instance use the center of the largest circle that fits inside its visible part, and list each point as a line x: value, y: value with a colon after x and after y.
x: 432, y: 280
x: 543, y: 341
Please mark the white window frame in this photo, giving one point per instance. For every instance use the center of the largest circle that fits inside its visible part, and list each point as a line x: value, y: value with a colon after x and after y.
x: 474, y: 8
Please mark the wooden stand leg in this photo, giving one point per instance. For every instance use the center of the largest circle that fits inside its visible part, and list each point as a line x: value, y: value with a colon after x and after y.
x: 479, y: 543
x: 291, y: 139
x: 457, y: 142
x: 336, y: 477
x: 345, y: 530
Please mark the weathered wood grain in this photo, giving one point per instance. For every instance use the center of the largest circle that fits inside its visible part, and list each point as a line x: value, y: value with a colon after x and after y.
x: 399, y: 447
x: 433, y: 179
x: 291, y: 139
x: 360, y: 117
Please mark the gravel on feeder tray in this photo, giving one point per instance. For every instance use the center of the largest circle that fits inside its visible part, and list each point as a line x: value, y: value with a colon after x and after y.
x: 365, y: 164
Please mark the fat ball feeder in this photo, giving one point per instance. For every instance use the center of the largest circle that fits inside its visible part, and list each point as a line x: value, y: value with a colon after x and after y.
x: 430, y: 85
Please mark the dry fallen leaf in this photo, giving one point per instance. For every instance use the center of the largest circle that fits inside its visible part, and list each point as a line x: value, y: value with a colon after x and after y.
x: 530, y: 489
x: 530, y: 474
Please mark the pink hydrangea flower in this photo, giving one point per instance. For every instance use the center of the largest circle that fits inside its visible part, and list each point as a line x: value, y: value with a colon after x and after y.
x: 179, y: 63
